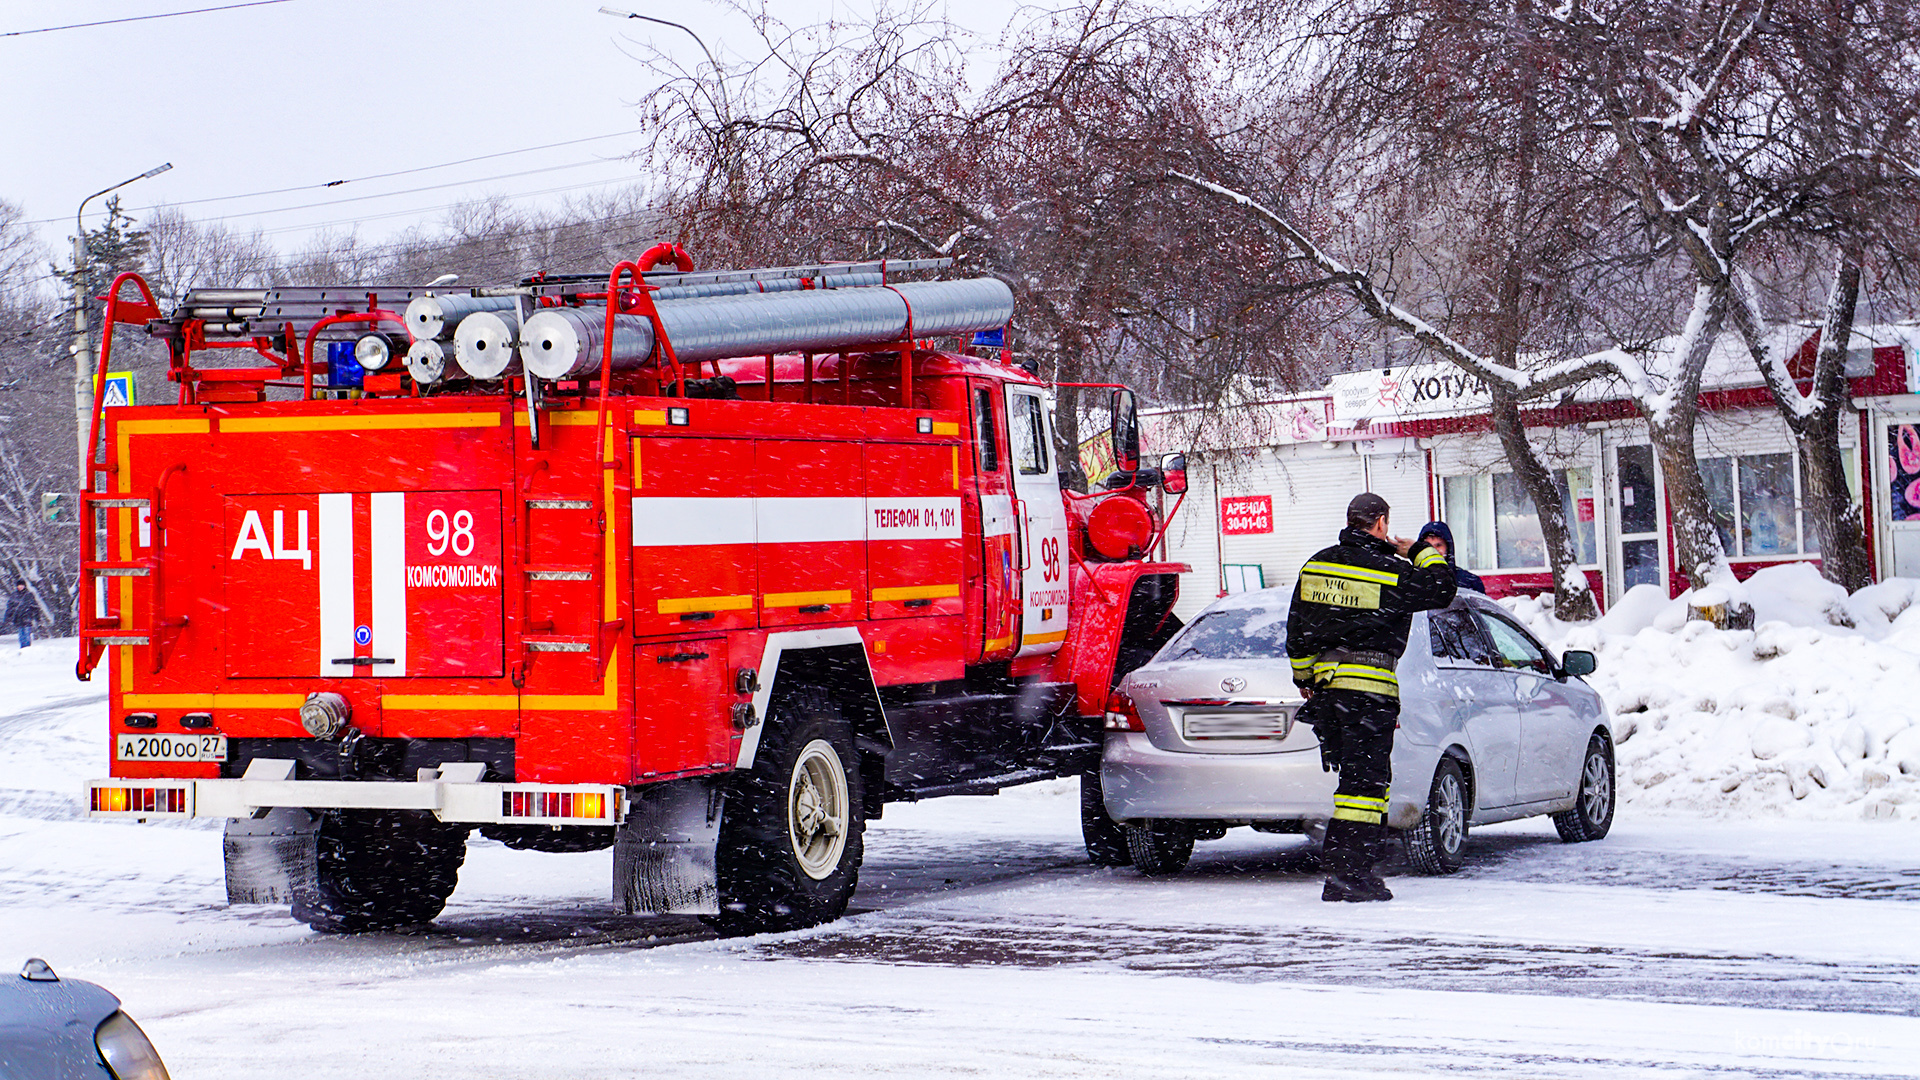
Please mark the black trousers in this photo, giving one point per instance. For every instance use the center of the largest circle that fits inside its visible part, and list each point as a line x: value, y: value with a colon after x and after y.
x: 1356, y: 728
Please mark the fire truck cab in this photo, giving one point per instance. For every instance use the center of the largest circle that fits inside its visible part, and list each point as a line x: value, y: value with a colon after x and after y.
x: 703, y: 567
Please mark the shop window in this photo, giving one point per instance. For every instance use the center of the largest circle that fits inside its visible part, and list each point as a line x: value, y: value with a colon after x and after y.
x: 1754, y: 502
x: 1465, y: 500
x: 1769, y: 516
x: 1496, y: 526
x: 1717, y: 473
x: 1903, y: 469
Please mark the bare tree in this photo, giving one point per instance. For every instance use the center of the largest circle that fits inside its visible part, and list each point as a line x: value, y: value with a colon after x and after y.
x: 1842, y: 76
x: 36, y: 424
x: 861, y: 140
x: 1422, y: 133
x: 183, y: 253
x: 1733, y: 122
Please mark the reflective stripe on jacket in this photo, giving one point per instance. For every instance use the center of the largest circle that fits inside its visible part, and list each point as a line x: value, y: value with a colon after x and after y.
x: 1352, y: 607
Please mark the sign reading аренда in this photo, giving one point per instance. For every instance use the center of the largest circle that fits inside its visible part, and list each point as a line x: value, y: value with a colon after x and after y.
x: 1246, y: 515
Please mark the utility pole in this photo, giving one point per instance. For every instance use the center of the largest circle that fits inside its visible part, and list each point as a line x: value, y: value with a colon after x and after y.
x: 83, y: 361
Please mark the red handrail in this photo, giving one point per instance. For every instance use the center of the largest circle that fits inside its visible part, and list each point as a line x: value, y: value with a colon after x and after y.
x: 149, y: 310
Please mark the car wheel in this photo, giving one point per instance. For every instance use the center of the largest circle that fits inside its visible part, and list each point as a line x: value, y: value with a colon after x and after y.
x: 1106, y: 838
x: 1592, y: 814
x: 379, y: 869
x: 792, y: 828
x: 1160, y: 848
x: 1437, y: 844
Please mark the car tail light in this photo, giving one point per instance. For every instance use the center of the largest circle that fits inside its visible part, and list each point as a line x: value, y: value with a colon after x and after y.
x: 145, y: 800
x: 1121, y: 715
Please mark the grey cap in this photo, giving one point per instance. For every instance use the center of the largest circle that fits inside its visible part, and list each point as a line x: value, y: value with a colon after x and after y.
x: 1365, y: 509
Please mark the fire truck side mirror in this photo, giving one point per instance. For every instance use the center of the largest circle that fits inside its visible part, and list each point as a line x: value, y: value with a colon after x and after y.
x: 1126, y: 431
x: 1173, y: 474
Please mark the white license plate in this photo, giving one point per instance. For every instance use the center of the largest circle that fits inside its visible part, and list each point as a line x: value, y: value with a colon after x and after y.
x: 1274, y: 725
x: 171, y: 748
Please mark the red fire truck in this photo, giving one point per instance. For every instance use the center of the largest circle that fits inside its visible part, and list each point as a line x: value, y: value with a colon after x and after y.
x: 705, y: 567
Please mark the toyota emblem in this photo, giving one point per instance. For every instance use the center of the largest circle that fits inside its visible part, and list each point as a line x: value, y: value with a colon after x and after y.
x: 1233, y: 684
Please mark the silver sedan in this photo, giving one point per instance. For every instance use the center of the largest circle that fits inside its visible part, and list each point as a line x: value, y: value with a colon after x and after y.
x: 1203, y: 738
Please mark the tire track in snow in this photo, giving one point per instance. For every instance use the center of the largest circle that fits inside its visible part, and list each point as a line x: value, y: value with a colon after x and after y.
x: 1256, y: 954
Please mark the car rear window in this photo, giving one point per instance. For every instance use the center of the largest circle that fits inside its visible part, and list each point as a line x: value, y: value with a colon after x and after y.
x: 1232, y: 634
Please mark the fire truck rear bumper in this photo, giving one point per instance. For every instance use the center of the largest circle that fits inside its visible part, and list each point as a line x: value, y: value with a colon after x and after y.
x: 453, y: 793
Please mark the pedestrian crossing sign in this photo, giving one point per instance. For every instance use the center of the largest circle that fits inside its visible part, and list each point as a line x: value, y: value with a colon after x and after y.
x: 119, y: 389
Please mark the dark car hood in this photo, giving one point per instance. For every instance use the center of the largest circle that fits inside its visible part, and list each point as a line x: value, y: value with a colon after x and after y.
x: 46, y: 1028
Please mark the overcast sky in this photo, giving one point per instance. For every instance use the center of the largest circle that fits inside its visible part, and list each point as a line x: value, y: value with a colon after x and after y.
x: 303, y: 92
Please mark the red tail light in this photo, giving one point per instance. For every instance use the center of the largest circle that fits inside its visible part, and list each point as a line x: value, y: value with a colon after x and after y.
x: 1121, y: 715
x: 137, y: 798
x: 576, y: 805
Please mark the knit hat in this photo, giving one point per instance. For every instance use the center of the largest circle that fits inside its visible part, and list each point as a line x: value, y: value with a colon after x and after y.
x: 1365, y: 509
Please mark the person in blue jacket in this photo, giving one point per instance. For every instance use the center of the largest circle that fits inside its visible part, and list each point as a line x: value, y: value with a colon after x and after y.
x: 1440, y: 538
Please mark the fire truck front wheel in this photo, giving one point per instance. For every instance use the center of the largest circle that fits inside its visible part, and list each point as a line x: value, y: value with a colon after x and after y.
x: 791, y: 834
x: 380, y: 869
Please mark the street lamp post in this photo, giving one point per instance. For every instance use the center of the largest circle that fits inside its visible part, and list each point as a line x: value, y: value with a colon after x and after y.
x: 719, y: 77
x: 82, y: 352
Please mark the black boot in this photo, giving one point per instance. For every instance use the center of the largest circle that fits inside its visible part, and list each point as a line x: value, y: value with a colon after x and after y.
x: 1354, y: 888
x: 1350, y: 851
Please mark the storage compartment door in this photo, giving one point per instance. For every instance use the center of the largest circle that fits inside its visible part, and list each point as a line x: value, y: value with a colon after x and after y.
x: 913, y: 530
x: 380, y: 584
x: 681, y: 719
x: 811, y: 520
x: 693, y: 535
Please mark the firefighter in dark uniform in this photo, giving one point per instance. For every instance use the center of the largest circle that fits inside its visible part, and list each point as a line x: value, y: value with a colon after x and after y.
x: 1346, y: 629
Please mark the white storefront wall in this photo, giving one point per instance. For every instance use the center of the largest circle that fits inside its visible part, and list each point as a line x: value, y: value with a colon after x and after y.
x: 1309, y: 485
x: 1736, y: 443
x: 1310, y: 454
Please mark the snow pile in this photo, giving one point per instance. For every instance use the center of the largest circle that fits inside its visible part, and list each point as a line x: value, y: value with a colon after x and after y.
x: 1814, y: 713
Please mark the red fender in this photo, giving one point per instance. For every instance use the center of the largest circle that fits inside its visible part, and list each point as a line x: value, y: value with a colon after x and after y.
x: 1101, y: 592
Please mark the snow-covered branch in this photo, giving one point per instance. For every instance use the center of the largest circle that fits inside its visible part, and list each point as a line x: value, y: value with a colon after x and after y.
x: 1523, y: 384
x: 937, y: 247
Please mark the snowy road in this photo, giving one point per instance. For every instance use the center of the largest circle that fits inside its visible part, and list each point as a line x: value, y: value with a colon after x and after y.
x: 983, y: 946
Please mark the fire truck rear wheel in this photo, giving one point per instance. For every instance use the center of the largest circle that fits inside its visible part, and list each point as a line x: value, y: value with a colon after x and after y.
x: 1106, y: 839
x: 380, y: 869
x: 791, y: 834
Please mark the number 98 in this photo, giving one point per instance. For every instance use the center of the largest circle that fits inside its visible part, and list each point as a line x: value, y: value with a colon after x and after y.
x: 460, y: 536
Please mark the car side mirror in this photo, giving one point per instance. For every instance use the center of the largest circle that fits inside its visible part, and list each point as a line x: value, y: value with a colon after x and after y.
x: 1576, y: 662
x: 1173, y: 474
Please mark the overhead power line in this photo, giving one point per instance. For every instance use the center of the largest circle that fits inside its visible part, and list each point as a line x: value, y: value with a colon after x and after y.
x: 140, y: 18
x: 422, y: 211
x: 404, y: 191
x: 373, y: 176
